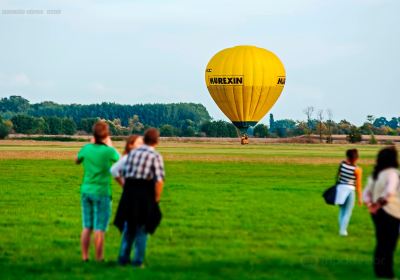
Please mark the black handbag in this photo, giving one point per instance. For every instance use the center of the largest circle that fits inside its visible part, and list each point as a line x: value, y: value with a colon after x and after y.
x: 330, y: 195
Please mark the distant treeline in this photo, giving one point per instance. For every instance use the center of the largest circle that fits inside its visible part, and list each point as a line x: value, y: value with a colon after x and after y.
x: 48, y: 117
x: 18, y: 115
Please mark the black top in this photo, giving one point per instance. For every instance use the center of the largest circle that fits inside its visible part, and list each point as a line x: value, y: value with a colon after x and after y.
x: 138, y: 206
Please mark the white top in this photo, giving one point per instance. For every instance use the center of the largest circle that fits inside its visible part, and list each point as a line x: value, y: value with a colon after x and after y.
x: 342, y: 192
x: 387, y: 186
x: 116, y: 168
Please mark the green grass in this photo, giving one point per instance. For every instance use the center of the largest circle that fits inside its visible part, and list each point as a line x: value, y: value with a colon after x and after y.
x: 222, y: 220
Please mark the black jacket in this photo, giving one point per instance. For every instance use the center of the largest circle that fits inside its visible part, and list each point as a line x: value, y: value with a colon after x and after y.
x: 138, y: 206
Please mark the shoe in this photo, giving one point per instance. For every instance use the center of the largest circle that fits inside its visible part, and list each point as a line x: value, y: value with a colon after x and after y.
x: 138, y: 265
x: 343, y: 233
x: 123, y: 262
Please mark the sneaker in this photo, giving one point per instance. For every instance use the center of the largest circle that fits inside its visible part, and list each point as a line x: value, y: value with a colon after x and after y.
x: 138, y: 265
x: 343, y: 233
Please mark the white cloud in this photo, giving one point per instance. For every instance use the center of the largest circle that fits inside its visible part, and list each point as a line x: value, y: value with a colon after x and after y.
x: 22, y: 80
x: 98, y: 87
x: 15, y: 80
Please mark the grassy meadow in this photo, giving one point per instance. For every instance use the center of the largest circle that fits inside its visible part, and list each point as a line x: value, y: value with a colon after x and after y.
x: 230, y: 212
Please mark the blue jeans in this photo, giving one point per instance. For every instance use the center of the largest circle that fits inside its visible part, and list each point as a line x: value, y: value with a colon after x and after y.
x: 345, y: 212
x: 139, y: 237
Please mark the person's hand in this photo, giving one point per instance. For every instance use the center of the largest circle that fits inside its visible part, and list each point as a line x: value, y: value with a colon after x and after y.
x: 120, y: 181
x: 373, y: 208
x: 108, y: 141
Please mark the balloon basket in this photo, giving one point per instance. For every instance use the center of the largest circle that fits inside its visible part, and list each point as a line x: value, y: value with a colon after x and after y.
x: 244, y: 139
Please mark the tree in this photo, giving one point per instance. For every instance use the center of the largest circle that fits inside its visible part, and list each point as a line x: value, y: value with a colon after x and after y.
x: 329, y: 124
x: 344, y: 127
x: 68, y: 126
x: 119, y: 128
x: 382, y: 121
x: 284, y: 127
x: 320, y: 116
x: 22, y: 123
x: 219, y: 129
x: 29, y: 125
x: 260, y: 130
x: 167, y: 130
x: 282, y: 132
x: 15, y: 104
x: 372, y: 140
x: 300, y: 129
x: 370, y: 119
x: 5, y: 128
x: 393, y: 123
x: 86, y: 124
x: 354, y: 135
x: 188, y: 131
x: 55, y: 125
x: 271, y: 122
x: 135, y: 125
x: 309, y: 111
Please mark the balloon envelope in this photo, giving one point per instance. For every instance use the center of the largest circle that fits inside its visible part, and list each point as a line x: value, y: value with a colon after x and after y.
x: 245, y: 82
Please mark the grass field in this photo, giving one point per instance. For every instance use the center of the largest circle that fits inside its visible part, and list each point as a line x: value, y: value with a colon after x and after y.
x: 230, y: 212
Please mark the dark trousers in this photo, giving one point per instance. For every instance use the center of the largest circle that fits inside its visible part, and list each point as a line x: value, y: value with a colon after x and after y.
x: 386, y: 232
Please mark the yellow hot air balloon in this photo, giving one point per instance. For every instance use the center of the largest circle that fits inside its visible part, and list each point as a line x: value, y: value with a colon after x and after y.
x: 245, y: 82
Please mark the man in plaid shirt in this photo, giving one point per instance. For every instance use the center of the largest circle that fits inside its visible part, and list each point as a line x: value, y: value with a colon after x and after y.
x: 138, y: 212
x: 147, y: 164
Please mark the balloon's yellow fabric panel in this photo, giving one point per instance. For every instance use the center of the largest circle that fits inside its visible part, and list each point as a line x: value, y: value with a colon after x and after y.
x: 245, y: 82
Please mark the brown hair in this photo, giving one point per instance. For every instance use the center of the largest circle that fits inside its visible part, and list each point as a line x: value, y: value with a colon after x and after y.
x: 151, y: 136
x: 352, y: 154
x: 100, y: 131
x: 129, y: 141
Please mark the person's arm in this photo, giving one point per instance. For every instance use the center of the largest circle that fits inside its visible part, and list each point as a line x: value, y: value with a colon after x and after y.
x: 120, y: 181
x: 159, y: 190
x: 79, y: 158
x: 389, y: 192
x: 391, y: 187
x: 159, y: 176
x: 358, y: 173
x: 116, y: 170
x: 107, y: 141
x: 367, y: 194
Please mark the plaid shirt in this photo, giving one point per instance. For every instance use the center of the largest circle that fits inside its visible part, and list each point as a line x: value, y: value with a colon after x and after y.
x: 144, y: 163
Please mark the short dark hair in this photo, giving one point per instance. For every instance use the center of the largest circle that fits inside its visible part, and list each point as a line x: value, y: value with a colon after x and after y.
x: 151, y: 136
x: 100, y: 131
x: 387, y: 158
x: 352, y: 154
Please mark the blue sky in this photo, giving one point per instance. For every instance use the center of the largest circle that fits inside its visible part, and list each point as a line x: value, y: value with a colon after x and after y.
x: 341, y: 55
